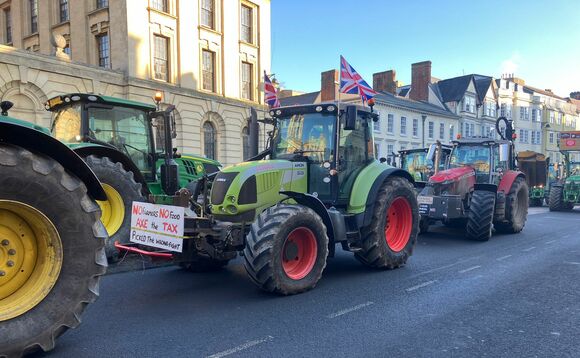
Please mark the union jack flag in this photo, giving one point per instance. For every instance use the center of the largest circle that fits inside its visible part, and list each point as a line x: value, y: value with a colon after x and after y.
x: 270, y: 92
x: 351, y: 82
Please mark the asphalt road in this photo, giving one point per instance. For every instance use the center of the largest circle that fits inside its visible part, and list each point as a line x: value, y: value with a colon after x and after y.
x: 514, y: 296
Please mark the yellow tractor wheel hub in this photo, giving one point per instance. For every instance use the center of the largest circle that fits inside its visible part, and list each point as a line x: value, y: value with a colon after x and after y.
x: 113, y: 210
x: 30, y: 258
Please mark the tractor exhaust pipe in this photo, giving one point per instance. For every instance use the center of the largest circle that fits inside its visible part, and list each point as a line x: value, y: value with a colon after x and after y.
x: 437, y: 156
x: 254, y: 132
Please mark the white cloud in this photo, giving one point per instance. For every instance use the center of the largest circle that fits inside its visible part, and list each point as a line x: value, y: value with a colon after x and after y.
x: 512, y: 64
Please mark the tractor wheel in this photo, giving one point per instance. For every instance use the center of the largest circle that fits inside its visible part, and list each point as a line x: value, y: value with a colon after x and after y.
x: 557, y: 202
x: 122, y: 190
x: 389, y: 240
x: 51, y: 251
x: 286, y: 249
x: 203, y: 264
x: 480, y: 216
x: 516, y: 208
x: 423, y: 226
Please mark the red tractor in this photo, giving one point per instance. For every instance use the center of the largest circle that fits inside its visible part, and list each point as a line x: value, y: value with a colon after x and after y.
x: 480, y: 189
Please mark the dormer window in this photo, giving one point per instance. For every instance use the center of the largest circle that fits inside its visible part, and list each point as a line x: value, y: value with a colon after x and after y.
x: 469, y: 104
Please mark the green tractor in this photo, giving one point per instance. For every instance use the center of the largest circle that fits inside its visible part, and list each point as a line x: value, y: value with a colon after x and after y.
x: 123, y: 144
x: 51, y: 237
x: 317, y: 185
x: 565, y: 193
x: 536, y: 168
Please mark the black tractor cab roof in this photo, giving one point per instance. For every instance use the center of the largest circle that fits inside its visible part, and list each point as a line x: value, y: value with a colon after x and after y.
x: 423, y: 150
x: 478, y: 141
x: 325, y: 108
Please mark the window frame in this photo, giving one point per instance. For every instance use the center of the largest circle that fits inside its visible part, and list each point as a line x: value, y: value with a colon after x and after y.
x: 211, y: 13
x: 165, y: 6
x: 403, y: 129
x: 99, y: 37
x: 101, y: 4
x: 7, y: 13
x: 390, y: 123
x: 250, y: 83
x: 33, y: 16
x: 63, y: 11
x: 250, y: 26
x: 167, y: 58
x: 211, y: 143
x: 415, y: 128
x: 213, y: 71
x: 431, y: 130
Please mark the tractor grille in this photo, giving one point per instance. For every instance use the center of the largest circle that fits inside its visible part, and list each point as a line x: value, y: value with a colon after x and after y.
x: 189, y: 167
x: 220, y: 187
x: 267, y: 181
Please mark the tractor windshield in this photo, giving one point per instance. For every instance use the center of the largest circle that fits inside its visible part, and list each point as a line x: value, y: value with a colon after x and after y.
x: 477, y: 157
x: 417, y: 165
x: 310, y: 135
x: 574, y: 168
x: 66, y: 124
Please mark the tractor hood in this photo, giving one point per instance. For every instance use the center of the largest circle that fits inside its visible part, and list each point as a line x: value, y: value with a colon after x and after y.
x: 452, y: 175
x: 575, y: 179
x: 242, y: 191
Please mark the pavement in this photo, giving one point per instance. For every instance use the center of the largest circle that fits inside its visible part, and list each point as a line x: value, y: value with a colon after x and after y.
x: 513, y: 296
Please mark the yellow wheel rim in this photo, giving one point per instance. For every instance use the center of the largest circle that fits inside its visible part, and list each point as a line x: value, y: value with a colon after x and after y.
x: 30, y: 258
x: 113, y: 210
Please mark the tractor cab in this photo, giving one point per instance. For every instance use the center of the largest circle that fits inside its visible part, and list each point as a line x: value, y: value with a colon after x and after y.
x: 483, y: 156
x: 418, y: 163
x: 334, y: 148
x: 126, y: 126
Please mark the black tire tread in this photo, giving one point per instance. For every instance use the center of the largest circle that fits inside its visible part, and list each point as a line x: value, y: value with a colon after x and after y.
x: 480, y: 217
x: 511, y: 225
x: 41, y: 167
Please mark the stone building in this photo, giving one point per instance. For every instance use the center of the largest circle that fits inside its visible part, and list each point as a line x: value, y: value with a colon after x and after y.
x: 206, y: 56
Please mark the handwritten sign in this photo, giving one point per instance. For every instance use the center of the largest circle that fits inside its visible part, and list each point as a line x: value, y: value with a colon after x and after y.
x: 159, y: 226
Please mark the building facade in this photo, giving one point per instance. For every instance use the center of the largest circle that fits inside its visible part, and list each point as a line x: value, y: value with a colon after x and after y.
x: 206, y: 56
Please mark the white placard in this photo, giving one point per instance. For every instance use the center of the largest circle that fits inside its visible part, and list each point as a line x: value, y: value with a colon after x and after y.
x: 159, y: 226
x: 422, y: 199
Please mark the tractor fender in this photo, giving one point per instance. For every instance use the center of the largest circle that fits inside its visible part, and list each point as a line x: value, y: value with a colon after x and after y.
x: 374, y: 191
x: 39, y: 142
x: 116, y: 156
x: 315, y: 204
x: 508, y: 179
x: 486, y: 187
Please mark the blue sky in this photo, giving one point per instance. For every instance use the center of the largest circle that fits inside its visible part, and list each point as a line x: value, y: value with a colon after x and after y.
x: 537, y: 40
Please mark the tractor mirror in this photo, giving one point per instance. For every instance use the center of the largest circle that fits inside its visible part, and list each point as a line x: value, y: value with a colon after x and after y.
x: 504, y: 152
x: 350, y: 120
x: 431, y: 152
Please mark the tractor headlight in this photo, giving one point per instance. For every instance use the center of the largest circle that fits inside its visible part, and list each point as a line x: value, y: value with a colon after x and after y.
x: 231, y: 209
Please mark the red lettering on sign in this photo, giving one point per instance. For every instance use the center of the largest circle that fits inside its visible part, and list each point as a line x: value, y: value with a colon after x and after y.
x: 137, y: 209
x: 142, y: 223
x: 170, y: 227
x: 163, y: 213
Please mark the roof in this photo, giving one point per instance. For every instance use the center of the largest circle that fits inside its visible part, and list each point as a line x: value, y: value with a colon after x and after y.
x: 453, y: 89
x: 57, y: 101
x: 532, y: 90
x: 307, y: 98
x: 482, y: 84
x: 404, y: 90
x: 413, y: 105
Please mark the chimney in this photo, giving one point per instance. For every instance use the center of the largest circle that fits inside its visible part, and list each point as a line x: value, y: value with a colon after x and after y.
x: 575, y: 95
x: 385, y: 81
x: 328, y: 85
x: 420, y: 79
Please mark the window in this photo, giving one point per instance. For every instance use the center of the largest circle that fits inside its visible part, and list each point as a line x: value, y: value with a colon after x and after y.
x: 8, y: 24
x: 103, y: 50
x: 247, y: 87
x: 441, y: 131
x: 390, y: 149
x: 415, y: 127
x: 403, y: 125
x: 551, y: 117
x: 102, y: 4
x: 207, y: 13
x: 451, y: 133
x: 208, y: 70
x: 246, y: 32
x: 390, y: 123
x: 431, y: 129
x: 63, y: 10
x: 506, y: 110
x: 209, y: 139
x: 245, y: 143
x: 377, y: 126
x: 66, y: 49
x: 33, y: 4
x: 160, y: 5
x: 533, y: 137
x: 469, y: 104
x: 524, y: 113
x: 161, y: 58
x: 559, y: 118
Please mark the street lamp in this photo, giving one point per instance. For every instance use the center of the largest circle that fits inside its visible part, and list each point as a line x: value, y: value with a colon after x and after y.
x: 424, y: 117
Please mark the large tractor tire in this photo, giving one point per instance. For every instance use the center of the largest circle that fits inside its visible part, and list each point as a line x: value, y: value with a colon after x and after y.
x: 122, y: 190
x: 203, y: 264
x: 480, y: 217
x: 389, y: 240
x: 286, y: 249
x: 516, y: 208
x: 557, y: 202
x: 51, y: 251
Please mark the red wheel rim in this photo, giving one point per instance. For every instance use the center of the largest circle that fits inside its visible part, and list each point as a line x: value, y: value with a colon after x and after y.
x: 299, y: 253
x: 399, y: 224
